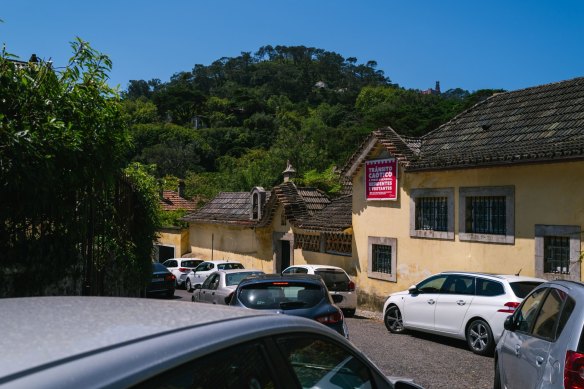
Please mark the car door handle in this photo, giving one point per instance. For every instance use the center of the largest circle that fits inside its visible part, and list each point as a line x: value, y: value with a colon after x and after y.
x: 431, y: 302
x: 461, y: 302
x: 538, y: 361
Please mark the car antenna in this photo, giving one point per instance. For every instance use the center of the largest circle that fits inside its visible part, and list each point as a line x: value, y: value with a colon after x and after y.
x: 518, y: 272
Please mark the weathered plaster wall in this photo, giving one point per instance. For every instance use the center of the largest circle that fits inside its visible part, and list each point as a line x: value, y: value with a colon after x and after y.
x: 178, y: 238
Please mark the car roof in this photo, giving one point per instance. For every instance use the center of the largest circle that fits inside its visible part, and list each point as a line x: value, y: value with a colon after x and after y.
x: 231, y: 271
x: 312, y: 278
x: 220, y: 261
x: 507, y: 277
x: 38, y: 339
x: 317, y: 267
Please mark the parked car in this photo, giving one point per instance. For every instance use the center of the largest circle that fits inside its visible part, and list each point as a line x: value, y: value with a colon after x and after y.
x: 199, y: 274
x: 220, y: 285
x: 463, y: 305
x: 180, y: 267
x: 337, y: 281
x: 543, y: 342
x: 300, y: 295
x: 162, y: 282
x: 124, y: 342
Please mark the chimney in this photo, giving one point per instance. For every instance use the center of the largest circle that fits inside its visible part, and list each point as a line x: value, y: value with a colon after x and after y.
x: 181, y: 189
x: 289, y: 173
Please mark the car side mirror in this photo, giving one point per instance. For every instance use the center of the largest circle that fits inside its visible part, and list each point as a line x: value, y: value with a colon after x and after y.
x: 414, y: 289
x: 198, y: 286
x: 509, y: 324
x: 337, y: 298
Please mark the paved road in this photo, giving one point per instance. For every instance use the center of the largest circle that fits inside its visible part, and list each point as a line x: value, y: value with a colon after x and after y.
x: 433, y: 362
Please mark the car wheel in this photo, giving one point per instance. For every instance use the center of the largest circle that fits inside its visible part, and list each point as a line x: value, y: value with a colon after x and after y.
x: 497, y: 383
x: 393, y: 320
x: 349, y: 312
x: 480, y: 338
x: 188, y: 285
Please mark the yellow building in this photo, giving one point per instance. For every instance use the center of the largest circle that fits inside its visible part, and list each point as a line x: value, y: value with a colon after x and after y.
x: 497, y: 189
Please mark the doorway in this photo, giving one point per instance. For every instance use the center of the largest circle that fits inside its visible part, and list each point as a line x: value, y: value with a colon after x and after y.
x: 285, y: 255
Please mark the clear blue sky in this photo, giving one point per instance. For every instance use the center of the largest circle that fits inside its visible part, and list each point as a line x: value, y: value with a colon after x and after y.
x: 466, y: 43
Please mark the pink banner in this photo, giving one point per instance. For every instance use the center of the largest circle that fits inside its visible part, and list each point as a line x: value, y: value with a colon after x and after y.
x: 381, y: 179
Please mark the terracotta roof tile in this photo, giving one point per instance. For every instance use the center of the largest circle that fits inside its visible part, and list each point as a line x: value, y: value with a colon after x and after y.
x: 171, y: 201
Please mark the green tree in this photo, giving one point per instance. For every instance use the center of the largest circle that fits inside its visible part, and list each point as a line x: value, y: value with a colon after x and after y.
x: 63, y: 140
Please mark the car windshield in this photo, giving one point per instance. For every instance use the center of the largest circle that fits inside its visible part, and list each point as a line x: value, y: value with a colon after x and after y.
x: 523, y: 288
x: 336, y: 280
x: 235, y: 278
x: 281, y: 295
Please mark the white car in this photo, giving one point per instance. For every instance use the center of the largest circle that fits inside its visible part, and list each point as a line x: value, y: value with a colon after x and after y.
x: 199, y: 274
x: 180, y: 267
x: 220, y: 285
x: 337, y: 282
x: 463, y: 305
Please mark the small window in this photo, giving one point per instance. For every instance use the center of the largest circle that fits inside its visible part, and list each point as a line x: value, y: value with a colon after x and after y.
x: 382, y: 258
x: 489, y: 288
x: 487, y: 214
x: 557, y: 252
x: 320, y: 363
x: 432, y: 213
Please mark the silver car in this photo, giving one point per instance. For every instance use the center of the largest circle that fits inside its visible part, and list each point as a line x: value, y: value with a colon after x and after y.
x: 543, y: 343
x: 220, y: 285
x: 97, y: 342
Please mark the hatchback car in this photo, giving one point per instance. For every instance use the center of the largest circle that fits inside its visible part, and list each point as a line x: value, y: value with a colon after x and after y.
x: 543, y: 342
x: 180, y: 267
x: 139, y: 343
x: 199, y: 274
x: 162, y: 282
x: 337, y: 281
x: 470, y: 306
x: 300, y: 295
x: 220, y: 285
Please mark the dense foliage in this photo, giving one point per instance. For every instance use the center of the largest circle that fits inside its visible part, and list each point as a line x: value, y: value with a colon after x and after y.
x: 71, y: 220
x: 233, y: 124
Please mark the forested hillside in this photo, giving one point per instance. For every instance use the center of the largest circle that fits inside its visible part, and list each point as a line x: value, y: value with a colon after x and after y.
x: 233, y: 124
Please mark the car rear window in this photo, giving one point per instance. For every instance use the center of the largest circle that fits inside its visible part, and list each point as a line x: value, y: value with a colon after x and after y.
x: 281, y: 295
x: 522, y: 288
x: 193, y: 263
x: 230, y: 266
x: 335, y: 280
x: 159, y: 267
x: 235, y: 278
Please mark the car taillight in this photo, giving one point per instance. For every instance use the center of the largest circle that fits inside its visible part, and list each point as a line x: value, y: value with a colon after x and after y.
x: 574, y: 370
x: 169, y: 277
x: 510, y: 307
x: 183, y: 269
x: 351, y: 286
x: 331, y: 319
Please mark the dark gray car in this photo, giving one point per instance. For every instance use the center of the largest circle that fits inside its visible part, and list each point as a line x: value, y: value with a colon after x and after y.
x: 96, y: 342
x: 542, y: 345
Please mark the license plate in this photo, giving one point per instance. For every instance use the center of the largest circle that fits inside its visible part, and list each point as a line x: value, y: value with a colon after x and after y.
x: 157, y: 279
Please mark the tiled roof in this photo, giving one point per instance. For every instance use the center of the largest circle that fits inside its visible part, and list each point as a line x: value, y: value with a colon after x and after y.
x: 539, y: 124
x: 171, y: 201
x: 543, y: 123
x: 233, y: 207
x: 225, y: 208
x: 337, y: 216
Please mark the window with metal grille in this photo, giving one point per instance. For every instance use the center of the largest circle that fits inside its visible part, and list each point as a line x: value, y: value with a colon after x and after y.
x: 556, y: 254
x: 486, y: 215
x: 381, y: 261
x: 432, y: 213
